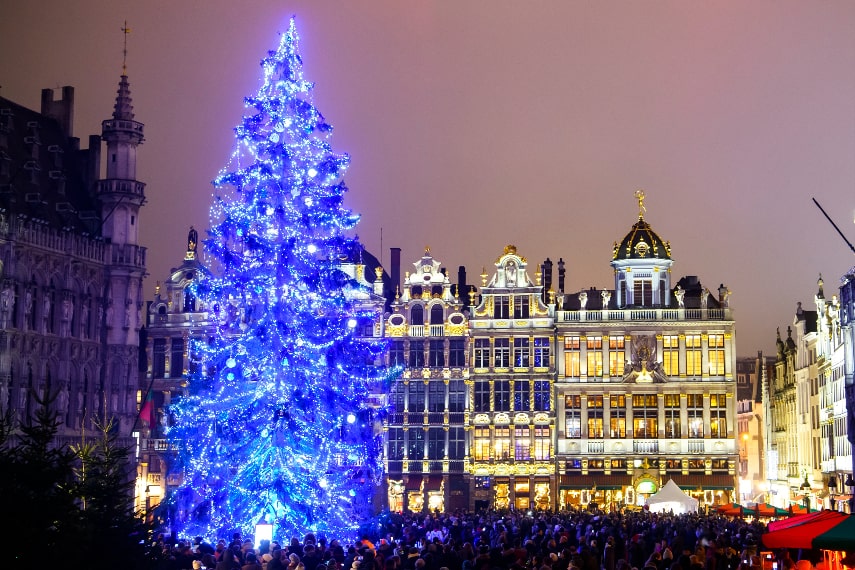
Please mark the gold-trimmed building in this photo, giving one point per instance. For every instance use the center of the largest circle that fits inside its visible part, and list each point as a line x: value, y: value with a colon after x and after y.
x: 425, y: 427
x: 644, y: 387
x: 511, y: 419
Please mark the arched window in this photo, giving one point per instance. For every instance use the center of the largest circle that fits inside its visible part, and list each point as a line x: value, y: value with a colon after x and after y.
x: 437, y: 315
x: 189, y: 300
x: 417, y: 315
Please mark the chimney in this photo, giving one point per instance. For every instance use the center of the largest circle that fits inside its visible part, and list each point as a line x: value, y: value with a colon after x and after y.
x: 61, y: 111
x: 395, y: 273
x: 546, y: 270
x: 561, y: 274
x: 462, y: 288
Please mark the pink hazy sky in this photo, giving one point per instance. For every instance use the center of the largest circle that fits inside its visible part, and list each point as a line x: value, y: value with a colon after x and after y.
x: 475, y: 124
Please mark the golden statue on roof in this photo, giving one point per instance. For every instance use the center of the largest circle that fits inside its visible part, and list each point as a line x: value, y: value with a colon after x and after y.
x: 639, y: 195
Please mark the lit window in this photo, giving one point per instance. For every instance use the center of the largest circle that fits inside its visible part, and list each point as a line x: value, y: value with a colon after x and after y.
x: 571, y: 356
x: 671, y: 354
x: 522, y: 443
x: 542, y: 441
x: 715, y: 354
x: 693, y: 355
x: 616, y: 355
x: 573, y: 417
x: 503, y: 443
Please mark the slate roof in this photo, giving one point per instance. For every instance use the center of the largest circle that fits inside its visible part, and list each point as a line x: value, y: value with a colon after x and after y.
x: 43, y: 175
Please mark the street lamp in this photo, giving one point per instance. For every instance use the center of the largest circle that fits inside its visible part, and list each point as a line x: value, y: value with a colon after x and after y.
x: 832, y: 490
x: 805, y: 487
x: 851, y: 484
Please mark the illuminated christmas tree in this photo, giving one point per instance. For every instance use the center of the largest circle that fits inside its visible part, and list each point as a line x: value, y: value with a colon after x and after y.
x: 276, y: 423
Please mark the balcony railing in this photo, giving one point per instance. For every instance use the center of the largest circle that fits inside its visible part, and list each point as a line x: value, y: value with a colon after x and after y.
x: 651, y: 314
x: 645, y: 446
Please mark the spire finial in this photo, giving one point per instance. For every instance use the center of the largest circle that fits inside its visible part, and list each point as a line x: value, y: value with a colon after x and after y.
x: 639, y: 195
x: 125, y: 30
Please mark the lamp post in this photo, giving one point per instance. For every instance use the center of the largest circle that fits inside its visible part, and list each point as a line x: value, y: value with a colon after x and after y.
x: 832, y: 490
x: 851, y: 484
x: 805, y: 487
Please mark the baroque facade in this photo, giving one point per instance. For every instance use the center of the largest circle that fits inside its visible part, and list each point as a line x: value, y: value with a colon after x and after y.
x: 515, y: 395
x: 425, y: 426
x: 71, y: 265
x: 645, y: 383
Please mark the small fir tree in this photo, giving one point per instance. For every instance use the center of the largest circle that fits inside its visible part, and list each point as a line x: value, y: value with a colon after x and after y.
x: 37, y: 484
x: 276, y: 423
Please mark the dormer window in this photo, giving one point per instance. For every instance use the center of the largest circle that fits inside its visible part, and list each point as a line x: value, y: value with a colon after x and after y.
x: 642, y: 292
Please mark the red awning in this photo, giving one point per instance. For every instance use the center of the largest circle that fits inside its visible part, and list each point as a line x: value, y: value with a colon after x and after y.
x: 433, y: 483
x: 825, y: 529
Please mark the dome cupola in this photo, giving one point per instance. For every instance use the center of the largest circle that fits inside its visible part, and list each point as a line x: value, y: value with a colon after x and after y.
x: 642, y: 264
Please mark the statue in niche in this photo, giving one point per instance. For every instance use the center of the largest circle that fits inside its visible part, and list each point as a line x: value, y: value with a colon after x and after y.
x: 62, y: 401
x: 679, y: 294
x: 4, y: 395
x: 511, y: 274
x: 84, y: 320
x: 6, y: 299
x: 46, y: 311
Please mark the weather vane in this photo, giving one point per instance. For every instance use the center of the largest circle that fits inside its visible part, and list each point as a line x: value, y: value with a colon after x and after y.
x: 639, y: 195
x: 125, y: 30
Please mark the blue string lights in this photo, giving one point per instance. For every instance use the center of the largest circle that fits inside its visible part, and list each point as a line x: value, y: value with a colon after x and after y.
x: 275, y: 423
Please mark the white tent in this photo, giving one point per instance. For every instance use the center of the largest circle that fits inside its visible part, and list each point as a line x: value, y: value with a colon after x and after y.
x: 671, y: 498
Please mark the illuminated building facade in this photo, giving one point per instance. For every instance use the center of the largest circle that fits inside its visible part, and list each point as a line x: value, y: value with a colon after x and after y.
x: 426, y: 439
x: 795, y: 407
x: 511, y: 418
x: 751, y: 427
x: 645, y: 383
x: 175, y: 318
x: 71, y: 266
x: 835, y: 450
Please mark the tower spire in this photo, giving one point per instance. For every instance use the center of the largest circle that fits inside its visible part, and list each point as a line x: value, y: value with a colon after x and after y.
x: 125, y: 30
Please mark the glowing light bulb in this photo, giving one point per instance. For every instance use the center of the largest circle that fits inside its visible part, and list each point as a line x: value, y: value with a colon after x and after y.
x: 351, y: 323
x: 231, y: 362
x: 351, y: 418
x: 312, y: 173
x: 311, y: 248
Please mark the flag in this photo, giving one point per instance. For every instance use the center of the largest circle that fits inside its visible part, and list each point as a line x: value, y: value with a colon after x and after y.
x: 147, y: 410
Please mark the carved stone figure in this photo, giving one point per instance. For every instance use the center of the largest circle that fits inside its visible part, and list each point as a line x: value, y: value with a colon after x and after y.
x: 679, y: 294
x: 607, y: 297
x: 704, y: 297
x: 583, y: 300
x: 62, y: 401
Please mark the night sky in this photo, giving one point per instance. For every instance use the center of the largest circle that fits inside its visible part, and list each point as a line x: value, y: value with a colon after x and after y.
x: 476, y: 124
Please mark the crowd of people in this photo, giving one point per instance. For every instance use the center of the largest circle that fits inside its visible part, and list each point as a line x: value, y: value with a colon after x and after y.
x: 581, y: 540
